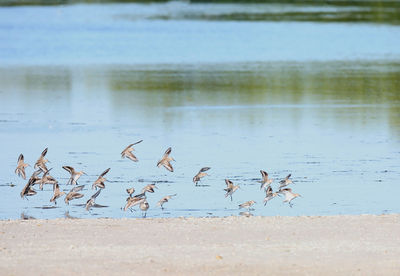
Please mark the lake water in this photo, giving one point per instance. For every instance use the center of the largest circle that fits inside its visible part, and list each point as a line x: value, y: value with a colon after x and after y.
x: 227, y: 86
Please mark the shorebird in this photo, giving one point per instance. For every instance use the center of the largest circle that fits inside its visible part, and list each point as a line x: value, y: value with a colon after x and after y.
x: 20, y: 170
x: 144, y: 206
x: 265, y: 182
x: 230, y: 189
x: 41, y: 162
x: 165, y: 160
x: 28, y: 188
x: 99, y: 183
x: 130, y: 191
x: 90, y: 202
x: 46, y: 179
x: 289, y: 195
x: 269, y: 195
x: 164, y: 200
x: 200, y: 174
x: 132, y: 201
x: 127, y: 152
x: 73, y: 194
x: 56, y: 193
x: 149, y: 188
x: 73, y: 180
x: 285, y: 182
x: 247, y: 205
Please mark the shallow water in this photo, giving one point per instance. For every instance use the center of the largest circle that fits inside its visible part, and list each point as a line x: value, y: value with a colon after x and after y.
x: 318, y: 100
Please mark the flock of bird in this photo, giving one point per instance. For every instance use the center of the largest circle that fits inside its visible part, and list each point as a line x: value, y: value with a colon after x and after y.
x: 41, y: 176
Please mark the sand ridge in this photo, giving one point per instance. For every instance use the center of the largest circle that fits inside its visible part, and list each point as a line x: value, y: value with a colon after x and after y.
x: 364, y: 245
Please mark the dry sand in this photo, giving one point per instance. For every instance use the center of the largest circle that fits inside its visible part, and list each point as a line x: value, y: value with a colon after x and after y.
x: 363, y: 245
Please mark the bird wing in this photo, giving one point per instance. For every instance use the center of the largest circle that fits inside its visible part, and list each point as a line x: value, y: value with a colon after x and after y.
x: 44, y: 152
x: 96, y: 194
x: 131, y: 156
x: 204, y: 169
x: 124, y: 151
x: 77, y: 189
x: 68, y: 169
x: 105, y: 172
x: 228, y: 183
x: 288, y: 176
x: 167, y: 152
x: 168, y: 166
x: 20, y: 158
x: 263, y: 173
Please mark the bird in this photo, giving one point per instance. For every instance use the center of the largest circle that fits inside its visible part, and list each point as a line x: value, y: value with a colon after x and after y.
x: 20, y: 170
x: 144, y: 206
x: 99, y: 183
x: 265, y: 182
x: 230, y: 189
x: 73, y: 194
x: 289, y: 195
x: 127, y: 152
x: 56, y: 193
x: 247, y: 204
x: 200, y: 174
x: 41, y: 162
x: 28, y: 188
x: 166, y: 160
x: 73, y: 180
x: 132, y: 201
x: 285, y: 182
x: 90, y: 202
x: 130, y: 191
x: 164, y: 200
x: 46, y: 179
x: 149, y: 188
x: 269, y: 195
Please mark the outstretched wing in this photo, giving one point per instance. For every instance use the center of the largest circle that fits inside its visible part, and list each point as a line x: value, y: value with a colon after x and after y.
x: 96, y: 194
x: 263, y: 173
x: 21, y: 158
x: 68, y: 169
x: 167, y: 152
x: 168, y: 166
x: 44, y: 152
x: 77, y: 189
x: 105, y: 172
x: 204, y: 169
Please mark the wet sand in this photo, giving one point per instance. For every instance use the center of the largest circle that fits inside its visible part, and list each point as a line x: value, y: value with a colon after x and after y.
x: 363, y: 245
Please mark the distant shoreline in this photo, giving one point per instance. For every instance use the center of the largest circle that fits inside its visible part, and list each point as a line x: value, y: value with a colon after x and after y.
x: 339, y: 244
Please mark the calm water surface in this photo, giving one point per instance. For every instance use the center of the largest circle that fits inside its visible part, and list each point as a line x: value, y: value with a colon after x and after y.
x: 315, y: 99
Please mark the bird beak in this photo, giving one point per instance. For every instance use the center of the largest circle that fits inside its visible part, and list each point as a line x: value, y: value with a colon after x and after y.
x: 85, y: 173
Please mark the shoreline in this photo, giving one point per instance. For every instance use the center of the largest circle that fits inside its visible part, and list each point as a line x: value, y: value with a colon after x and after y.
x: 341, y: 244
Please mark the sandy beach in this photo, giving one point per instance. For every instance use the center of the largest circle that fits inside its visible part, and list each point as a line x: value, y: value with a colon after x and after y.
x: 364, y: 245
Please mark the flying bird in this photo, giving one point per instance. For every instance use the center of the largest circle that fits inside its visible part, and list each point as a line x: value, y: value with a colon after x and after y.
x: 20, y: 170
x: 230, y: 188
x: 200, y: 174
x: 73, y: 180
x: 285, y: 182
x: 164, y: 200
x: 269, y: 195
x: 73, y: 194
x: 91, y: 202
x: 166, y: 160
x: 265, y: 182
x: 56, y: 193
x: 127, y: 152
x: 289, y: 195
x: 41, y: 162
x: 99, y: 183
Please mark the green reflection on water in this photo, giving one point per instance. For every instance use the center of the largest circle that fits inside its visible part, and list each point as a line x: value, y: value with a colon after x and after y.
x: 356, y: 95
x: 313, y: 11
